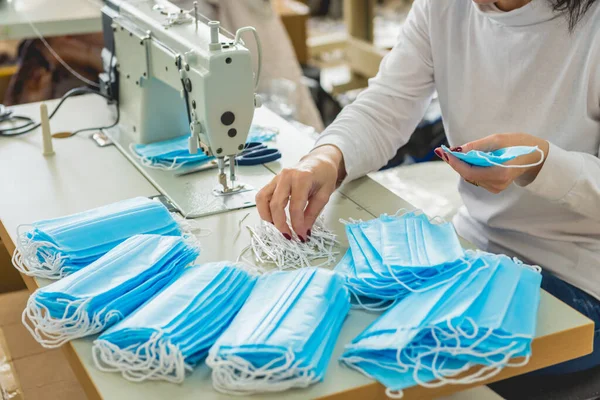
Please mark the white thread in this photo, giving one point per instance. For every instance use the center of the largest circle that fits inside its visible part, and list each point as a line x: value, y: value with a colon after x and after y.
x: 55, y: 54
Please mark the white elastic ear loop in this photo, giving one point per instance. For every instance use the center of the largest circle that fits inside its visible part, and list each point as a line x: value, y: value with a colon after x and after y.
x: 535, y: 164
x: 494, y: 368
x: 269, y: 246
x: 154, y: 360
x: 26, y: 258
x: 53, y: 332
x: 426, y: 288
x: 147, y: 162
x: 375, y: 307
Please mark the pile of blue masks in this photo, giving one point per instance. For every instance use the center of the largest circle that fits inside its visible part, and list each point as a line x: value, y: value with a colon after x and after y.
x: 56, y: 247
x: 498, y: 157
x: 474, y: 326
x: 393, y: 256
x: 174, y: 153
x: 171, y: 333
x: 109, y: 289
x: 284, y: 335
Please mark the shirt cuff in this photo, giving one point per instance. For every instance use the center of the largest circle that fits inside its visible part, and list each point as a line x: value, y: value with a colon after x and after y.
x: 559, y: 174
x: 348, y: 152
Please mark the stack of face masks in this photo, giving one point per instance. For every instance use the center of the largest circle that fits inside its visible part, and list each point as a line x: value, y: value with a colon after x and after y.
x: 497, y: 157
x: 173, y: 331
x: 57, y: 247
x: 108, y: 290
x: 393, y: 256
x: 485, y: 318
x: 284, y: 335
x: 174, y: 153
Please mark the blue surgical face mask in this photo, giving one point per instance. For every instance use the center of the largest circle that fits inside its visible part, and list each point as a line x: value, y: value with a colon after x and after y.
x: 262, y: 134
x: 173, y: 331
x: 57, y: 247
x: 174, y: 153
x: 169, y: 154
x: 415, y: 242
x: 92, y: 299
x: 497, y: 157
x: 377, y: 285
x: 284, y: 335
x: 472, y: 321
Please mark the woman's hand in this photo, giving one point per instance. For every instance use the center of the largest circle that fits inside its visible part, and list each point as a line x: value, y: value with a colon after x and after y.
x: 496, y: 179
x: 306, y: 187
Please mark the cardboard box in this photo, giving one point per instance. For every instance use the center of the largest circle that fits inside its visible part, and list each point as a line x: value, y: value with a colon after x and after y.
x: 29, y: 370
x: 294, y: 16
x: 10, y: 279
x: 10, y: 389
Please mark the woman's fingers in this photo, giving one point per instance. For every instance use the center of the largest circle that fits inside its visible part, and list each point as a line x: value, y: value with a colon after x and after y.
x: 488, y: 143
x: 315, y: 205
x: 263, y: 200
x: 300, y: 191
x: 493, y: 179
x: 279, y: 202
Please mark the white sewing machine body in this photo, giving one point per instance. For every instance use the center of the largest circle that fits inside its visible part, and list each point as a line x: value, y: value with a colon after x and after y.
x: 174, y: 75
x: 157, y: 56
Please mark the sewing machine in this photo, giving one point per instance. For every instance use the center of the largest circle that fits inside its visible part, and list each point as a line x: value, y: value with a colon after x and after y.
x: 176, y: 73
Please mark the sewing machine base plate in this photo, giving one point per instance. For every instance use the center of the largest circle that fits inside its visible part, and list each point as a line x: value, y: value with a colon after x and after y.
x: 193, y: 195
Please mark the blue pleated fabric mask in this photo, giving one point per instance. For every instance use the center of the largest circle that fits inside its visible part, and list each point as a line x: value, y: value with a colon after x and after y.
x: 57, y: 247
x: 174, y: 153
x: 172, y: 332
x: 169, y: 154
x: 482, y: 318
x: 262, y: 134
x: 497, y: 157
x: 416, y: 242
x: 94, y: 298
x: 431, y: 257
x: 283, y: 336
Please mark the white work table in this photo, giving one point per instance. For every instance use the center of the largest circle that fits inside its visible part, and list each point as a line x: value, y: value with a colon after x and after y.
x: 50, y: 17
x: 81, y: 176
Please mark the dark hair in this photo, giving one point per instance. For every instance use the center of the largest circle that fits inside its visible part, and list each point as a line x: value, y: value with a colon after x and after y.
x: 574, y: 10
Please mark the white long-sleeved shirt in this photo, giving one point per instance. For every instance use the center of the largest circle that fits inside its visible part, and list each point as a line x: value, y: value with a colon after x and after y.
x: 495, y: 72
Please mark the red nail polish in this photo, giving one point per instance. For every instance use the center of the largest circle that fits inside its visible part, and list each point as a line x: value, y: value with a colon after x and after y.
x: 288, y: 237
x: 457, y: 149
x: 301, y: 239
x: 446, y: 157
x: 439, y: 153
x: 308, y: 233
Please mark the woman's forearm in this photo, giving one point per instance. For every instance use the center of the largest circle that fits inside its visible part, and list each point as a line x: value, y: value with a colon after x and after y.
x: 572, y: 179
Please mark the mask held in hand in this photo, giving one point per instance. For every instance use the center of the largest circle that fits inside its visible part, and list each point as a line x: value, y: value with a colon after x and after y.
x: 498, y: 157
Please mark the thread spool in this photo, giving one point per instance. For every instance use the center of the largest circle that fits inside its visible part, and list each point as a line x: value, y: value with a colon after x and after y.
x: 47, y: 149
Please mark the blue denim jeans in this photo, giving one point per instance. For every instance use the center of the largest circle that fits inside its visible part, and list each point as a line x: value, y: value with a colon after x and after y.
x: 585, y: 304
